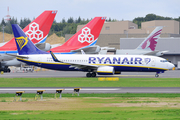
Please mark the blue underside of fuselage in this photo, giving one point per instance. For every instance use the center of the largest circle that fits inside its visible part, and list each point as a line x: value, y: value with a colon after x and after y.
x: 62, y: 67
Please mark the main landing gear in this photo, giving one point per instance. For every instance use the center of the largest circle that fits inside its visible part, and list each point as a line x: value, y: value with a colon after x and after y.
x: 5, y: 70
x: 93, y: 74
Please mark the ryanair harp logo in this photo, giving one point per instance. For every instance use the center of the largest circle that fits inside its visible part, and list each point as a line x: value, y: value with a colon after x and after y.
x: 22, y: 41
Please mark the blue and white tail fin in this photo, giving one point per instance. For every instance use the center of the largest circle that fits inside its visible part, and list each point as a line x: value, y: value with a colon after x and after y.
x: 151, y: 41
x: 23, y: 43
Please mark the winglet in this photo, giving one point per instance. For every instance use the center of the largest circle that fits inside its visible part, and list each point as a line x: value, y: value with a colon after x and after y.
x: 54, y: 57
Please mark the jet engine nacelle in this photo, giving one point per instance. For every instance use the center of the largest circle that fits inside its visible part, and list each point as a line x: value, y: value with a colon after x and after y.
x: 105, y: 70
x: 43, y: 46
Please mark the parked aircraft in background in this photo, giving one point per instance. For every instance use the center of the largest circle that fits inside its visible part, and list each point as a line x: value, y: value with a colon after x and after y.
x: 147, y: 47
x: 92, y: 64
x: 85, y: 39
x: 37, y: 31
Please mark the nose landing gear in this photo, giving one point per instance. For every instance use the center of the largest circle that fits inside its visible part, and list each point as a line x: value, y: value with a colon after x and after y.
x: 156, y: 75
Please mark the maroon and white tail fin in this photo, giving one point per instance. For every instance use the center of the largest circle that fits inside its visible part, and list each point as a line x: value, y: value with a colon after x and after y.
x: 151, y: 41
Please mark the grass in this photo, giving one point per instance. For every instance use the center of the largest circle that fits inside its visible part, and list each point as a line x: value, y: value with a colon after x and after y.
x: 93, y: 106
x: 98, y: 114
x: 3, y: 100
x: 99, y: 108
x: 89, y: 82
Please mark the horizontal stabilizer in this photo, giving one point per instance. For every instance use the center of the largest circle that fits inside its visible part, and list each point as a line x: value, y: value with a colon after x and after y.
x: 17, y: 56
x: 156, y: 53
x: 89, y: 50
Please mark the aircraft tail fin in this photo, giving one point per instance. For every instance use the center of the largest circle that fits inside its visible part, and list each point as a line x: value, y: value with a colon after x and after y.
x: 23, y: 43
x: 87, y: 36
x: 151, y: 41
x: 37, y: 30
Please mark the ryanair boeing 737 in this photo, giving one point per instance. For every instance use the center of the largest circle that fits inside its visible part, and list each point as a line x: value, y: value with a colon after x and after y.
x: 92, y: 64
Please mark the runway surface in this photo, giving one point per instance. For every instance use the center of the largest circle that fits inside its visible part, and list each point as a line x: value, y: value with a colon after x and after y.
x: 44, y: 74
x: 50, y: 73
x: 96, y: 89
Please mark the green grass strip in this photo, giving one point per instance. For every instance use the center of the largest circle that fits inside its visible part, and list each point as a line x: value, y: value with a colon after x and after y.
x: 89, y: 82
x: 114, y: 113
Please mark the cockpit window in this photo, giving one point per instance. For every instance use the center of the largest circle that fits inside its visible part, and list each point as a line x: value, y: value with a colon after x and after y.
x: 163, y: 61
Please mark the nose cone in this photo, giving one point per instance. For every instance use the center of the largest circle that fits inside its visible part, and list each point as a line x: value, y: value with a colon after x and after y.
x: 170, y: 66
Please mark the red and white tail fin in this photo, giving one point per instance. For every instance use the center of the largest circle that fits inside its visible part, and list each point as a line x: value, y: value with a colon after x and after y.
x: 37, y: 30
x: 85, y: 37
x: 151, y: 41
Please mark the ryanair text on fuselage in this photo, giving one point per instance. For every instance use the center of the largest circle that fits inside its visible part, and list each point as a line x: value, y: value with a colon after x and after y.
x: 118, y: 60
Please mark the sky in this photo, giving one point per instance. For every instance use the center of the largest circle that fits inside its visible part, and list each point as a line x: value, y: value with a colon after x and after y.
x: 87, y: 9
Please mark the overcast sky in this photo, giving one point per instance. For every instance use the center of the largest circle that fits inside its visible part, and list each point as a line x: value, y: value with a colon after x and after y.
x: 115, y: 9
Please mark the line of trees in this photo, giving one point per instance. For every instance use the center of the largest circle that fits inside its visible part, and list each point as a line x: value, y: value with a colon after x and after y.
x: 150, y: 17
x: 69, y: 26
x: 7, y: 25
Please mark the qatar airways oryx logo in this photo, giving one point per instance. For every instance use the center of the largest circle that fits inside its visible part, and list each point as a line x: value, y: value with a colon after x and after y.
x: 151, y: 41
x: 34, y: 32
x: 86, y: 36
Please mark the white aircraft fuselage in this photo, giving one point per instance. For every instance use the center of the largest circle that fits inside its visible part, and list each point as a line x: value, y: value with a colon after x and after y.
x: 107, y: 63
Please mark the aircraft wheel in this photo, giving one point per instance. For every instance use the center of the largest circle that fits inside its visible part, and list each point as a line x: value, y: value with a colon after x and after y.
x: 5, y: 70
x: 8, y: 70
x: 88, y: 75
x: 93, y: 74
x: 156, y: 75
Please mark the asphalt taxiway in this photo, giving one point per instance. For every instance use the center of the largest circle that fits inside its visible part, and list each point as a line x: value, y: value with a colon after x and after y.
x: 94, y: 89
x: 51, y: 73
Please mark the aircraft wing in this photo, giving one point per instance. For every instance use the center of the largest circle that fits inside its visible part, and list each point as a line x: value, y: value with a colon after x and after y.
x: 76, y: 65
x: 83, y: 66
